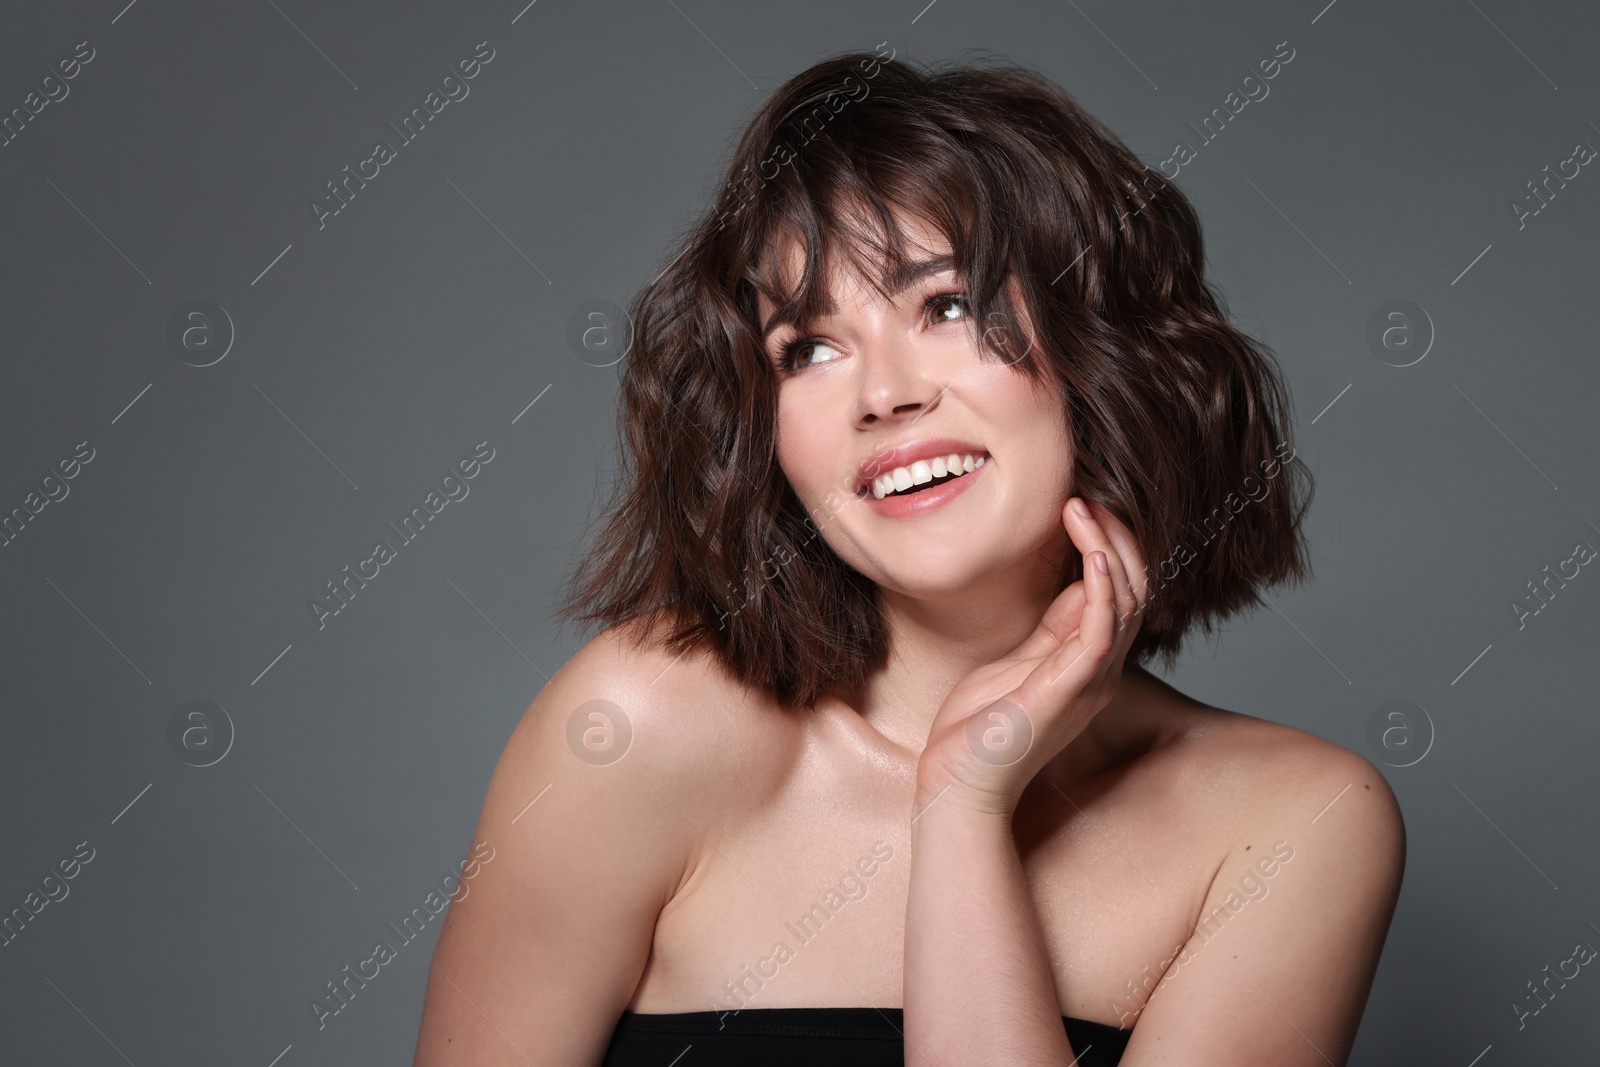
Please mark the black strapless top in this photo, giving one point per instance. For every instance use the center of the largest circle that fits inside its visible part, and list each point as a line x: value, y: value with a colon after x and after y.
x: 803, y: 1037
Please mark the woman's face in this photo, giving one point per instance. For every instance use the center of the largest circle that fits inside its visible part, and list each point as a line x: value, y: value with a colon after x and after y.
x: 880, y: 387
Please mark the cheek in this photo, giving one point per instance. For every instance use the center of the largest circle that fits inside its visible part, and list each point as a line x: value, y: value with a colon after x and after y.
x: 1036, y: 433
x: 1044, y: 412
x: 1033, y: 416
x: 802, y: 453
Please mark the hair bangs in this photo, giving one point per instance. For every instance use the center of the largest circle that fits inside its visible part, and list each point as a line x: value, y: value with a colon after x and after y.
x: 840, y: 202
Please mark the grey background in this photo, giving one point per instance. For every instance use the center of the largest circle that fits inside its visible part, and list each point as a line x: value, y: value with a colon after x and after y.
x: 427, y: 316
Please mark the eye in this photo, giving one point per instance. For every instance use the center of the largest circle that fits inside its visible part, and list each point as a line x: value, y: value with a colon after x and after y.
x: 941, y: 303
x: 801, y: 352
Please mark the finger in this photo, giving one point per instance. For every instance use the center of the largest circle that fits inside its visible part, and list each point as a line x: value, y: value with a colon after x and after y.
x: 1098, y: 629
x: 1079, y: 659
x: 1127, y: 547
x: 1091, y: 536
x: 1060, y: 619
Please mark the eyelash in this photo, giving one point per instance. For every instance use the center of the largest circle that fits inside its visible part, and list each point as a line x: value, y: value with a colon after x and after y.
x: 788, y: 352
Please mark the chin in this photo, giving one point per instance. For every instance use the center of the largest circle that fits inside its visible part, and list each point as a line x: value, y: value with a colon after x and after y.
x: 933, y: 576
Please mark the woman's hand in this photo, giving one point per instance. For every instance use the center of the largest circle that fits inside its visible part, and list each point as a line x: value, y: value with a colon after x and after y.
x: 1004, y: 721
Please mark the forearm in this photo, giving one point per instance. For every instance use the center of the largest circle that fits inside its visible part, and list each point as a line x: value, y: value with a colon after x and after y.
x: 977, y: 982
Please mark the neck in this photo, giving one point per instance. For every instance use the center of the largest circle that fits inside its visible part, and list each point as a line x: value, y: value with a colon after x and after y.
x: 934, y: 643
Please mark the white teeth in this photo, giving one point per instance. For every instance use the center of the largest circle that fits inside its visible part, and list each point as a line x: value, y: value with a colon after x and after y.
x: 923, y: 471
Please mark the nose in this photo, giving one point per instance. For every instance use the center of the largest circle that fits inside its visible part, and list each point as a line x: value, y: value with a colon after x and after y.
x: 893, y: 386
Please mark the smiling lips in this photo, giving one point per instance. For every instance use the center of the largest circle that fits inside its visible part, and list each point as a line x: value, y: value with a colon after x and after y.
x: 924, y: 471
x: 910, y: 467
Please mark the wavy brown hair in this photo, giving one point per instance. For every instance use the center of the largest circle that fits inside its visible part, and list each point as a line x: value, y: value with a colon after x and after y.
x: 1179, y: 422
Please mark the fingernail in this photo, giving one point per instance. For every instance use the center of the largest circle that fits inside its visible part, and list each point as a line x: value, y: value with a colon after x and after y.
x: 1079, y: 508
x: 1100, y: 563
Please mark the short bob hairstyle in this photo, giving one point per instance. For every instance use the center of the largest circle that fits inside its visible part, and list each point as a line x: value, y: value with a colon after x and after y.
x: 1178, y: 421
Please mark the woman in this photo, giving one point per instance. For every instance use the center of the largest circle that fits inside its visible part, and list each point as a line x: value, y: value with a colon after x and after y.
x: 933, y: 434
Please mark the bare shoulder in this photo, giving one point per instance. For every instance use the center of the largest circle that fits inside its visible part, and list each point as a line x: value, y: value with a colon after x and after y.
x: 1305, y: 851
x: 1269, y: 778
x: 600, y: 810
x: 679, y: 717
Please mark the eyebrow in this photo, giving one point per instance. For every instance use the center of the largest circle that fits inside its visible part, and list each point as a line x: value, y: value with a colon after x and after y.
x: 897, y: 281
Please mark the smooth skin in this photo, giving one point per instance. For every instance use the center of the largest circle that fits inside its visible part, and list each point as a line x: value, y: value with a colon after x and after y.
x: 1133, y: 827
x: 968, y: 898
